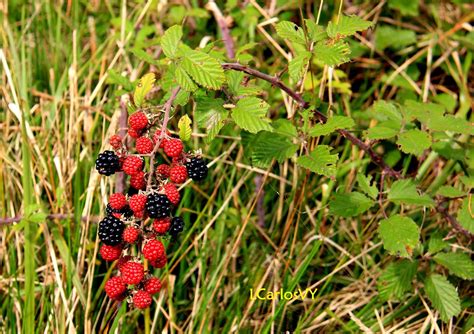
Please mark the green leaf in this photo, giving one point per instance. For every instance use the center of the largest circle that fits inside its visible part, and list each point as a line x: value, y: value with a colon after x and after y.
x: 183, y: 79
x: 170, y: 40
x: 290, y: 31
x: 144, y: 85
x: 450, y: 123
x: 364, y: 184
x: 249, y: 114
x: 397, y: 279
x: 319, y: 161
x: 384, y: 130
x: 450, y: 192
x: 349, y: 204
x: 268, y: 146
x: 115, y: 78
x: 284, y: 127
x: 443, y: 296
x: 459, y: 264
x: 405, y: 7
x: 297, y: 65
x: 384, y: 111
x: 465, y: 215
x: 143, y: 55
x: 414, y: 141
x: 405, y: 192
x: 211, y: 115
x: 400, y: 235
x: 347, y: 26
x: 332, y: 54
x: 334, y: 123
x: 436, y: 243
x: 204, y: 69
x: 184, y: 126
x: 393, y: 38
x: 316, y: 32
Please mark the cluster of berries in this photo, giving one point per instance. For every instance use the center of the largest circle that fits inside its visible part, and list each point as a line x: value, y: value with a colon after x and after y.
x: 143, y: 216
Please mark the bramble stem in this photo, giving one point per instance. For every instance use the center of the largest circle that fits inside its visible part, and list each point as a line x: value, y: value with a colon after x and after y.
x: 167, y: 107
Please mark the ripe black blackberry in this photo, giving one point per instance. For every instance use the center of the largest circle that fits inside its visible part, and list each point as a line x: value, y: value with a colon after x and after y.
x: 158, y: 206
x: 197, y: 169
x: 125, y: 211
x: 177, y: 226
x: 107, y: 163
x: 110, y: 230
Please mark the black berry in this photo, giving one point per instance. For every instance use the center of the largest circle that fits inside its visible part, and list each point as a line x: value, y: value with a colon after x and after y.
x: 177, y: 226
x: 110, y: 230
x: 197, y: 169
x: 158, y: 206
x: 107, y: 163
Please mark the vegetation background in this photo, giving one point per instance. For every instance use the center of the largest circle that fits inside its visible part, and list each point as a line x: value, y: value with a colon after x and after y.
x: 247, y: 227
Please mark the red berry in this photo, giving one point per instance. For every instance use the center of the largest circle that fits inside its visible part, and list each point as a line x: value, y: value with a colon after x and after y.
x: 137, y: 181
x: 134, y: 133
x: 130, y: 234
x: 117, y: 201
x: 142, y: 299
x: 172, y: 193
x: 160, y: 262
x: 173, y: 148
x: 157, y: 135
x: 139, y: 214
x: 137, y: 202
x: 153, y: 250
x: 132, y: 272
x: 163, y: 170
x: 115, y: 287
x: 178, y: 174
x: 162, y: 225
x: 116, y: 141
x: 138, y: 121
x: 110, y: 253
x: 123, y: 260
x: 152, y: 285
x: 144, y: 145
x: 132, y: 165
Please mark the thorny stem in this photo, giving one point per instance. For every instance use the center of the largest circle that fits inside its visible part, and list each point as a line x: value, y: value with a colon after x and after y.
x: 376, y: 158
x: 166, y: 118
x: 224, y: 28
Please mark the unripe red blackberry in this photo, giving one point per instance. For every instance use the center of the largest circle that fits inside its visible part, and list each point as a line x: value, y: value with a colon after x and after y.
x: 107, y: 163
x: 153, y: 250
x: 137, y: 180
x: 115, y: 287
x: 152, y: 285
x: 134, y: 133
x: 142, y: 299
x: 117, y: 201
x: 172, y: 193
x: 160, y: 262
x: 132, y: 272
x: 132, y: 165
x: 130, y: 234
x: 161, y: 226
x: 163, y: 170
x: 144, y: 145
x: 178, y: 174
x: 137, y: 202
x: 110, y: 253
x: 116, y: 141
x: 173, y: 147
x: 138, y: 121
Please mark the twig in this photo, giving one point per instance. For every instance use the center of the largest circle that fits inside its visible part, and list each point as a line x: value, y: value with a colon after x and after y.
x: 377, y: 159
x: 120, y: 178
x: 166, y: 117
x: 224, y: 28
